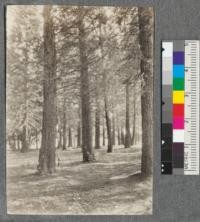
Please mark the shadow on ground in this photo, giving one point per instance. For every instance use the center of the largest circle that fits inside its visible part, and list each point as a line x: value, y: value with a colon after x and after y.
x: 103, y: 187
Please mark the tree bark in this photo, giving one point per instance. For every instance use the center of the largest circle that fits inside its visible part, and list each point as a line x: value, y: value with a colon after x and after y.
x: 108, y: 125
x: 14, y: 141
x: 145, y: 16
x: 47, y: 151
x: 122, y: 137
x: 60, y: 139
x: 127, y: 135
x: 70, y: 137
x: 134, y: 118
x: 79, y: 135
x: 119, y: 136
x: 113, y: 131
x: 97, y: 129
x: 87, y: 149
x: 24, y: 140
x: 64, y: 126
x: 24, y: 137
x: 97, y: 113
x: 103, y: 142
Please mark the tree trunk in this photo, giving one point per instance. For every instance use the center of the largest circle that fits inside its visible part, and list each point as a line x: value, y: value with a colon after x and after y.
x: 47, y: 151
x: 64, y: 145
x: 108, y: 125
x: 119, y: 136
x: 79, y: 135
x: 97, y: 128
x: 145, y: 16
x: 24, y: 135
x: 24, y: 140
x: 87, y: 149
x: 18, y: 142
x: 97, y: 113
x: 36, y: 139
x: 104, y: 142
x: 70, y: 137
x: 122, y: 137
x: 107, y: 116
x: 113, y: 131
x: 60, y: 138
x: 134, y: 122
x: 127, y: 135
x: 14, y: 141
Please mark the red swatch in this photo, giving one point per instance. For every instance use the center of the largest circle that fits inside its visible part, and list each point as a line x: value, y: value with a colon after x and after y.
x: 178, y: 110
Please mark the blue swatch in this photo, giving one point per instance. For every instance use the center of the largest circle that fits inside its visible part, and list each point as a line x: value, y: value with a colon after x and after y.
x: 178, y: 71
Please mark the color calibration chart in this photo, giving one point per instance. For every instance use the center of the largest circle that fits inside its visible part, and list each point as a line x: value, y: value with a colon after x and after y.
x: 180, y: 107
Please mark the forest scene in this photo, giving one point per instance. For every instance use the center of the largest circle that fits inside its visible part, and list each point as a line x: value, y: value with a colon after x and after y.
x: 79, y: 109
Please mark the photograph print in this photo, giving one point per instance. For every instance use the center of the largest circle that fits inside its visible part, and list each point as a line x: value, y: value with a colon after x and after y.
x: 79, y: 110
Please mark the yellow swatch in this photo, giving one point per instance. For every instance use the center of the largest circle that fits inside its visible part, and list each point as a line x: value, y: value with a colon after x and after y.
x: 178, y: 97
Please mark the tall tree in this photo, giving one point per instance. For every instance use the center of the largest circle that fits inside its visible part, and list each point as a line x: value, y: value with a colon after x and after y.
x: 122, y: 137
x: 102, y: 21
x: 134, y: 117
x: 113, y: 130
x: 36, y: 139
x: 24, y: 139
x: 103, y: 142
x: 70, y: 137
x: 60, y: 138
x: 79, y: 135
x: 145, y: 16
x: 118, y: 136
x: 64, y: 124
x: 97, y: 117
x: 47, y: 151
x: 127, y: 135
x: 88, y: 153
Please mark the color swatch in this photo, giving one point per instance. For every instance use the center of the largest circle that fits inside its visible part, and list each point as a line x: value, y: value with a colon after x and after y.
x: 178, y: 101
x: 180, y: 107
x: 167, y: 87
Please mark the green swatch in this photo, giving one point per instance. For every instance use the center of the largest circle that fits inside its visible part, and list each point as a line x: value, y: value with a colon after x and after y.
x: 178, y: 84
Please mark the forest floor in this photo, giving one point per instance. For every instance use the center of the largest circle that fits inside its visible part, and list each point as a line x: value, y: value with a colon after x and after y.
x: 102, y: 187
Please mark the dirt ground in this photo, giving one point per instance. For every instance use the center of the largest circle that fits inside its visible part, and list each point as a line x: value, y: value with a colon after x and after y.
x: 103, y: 187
